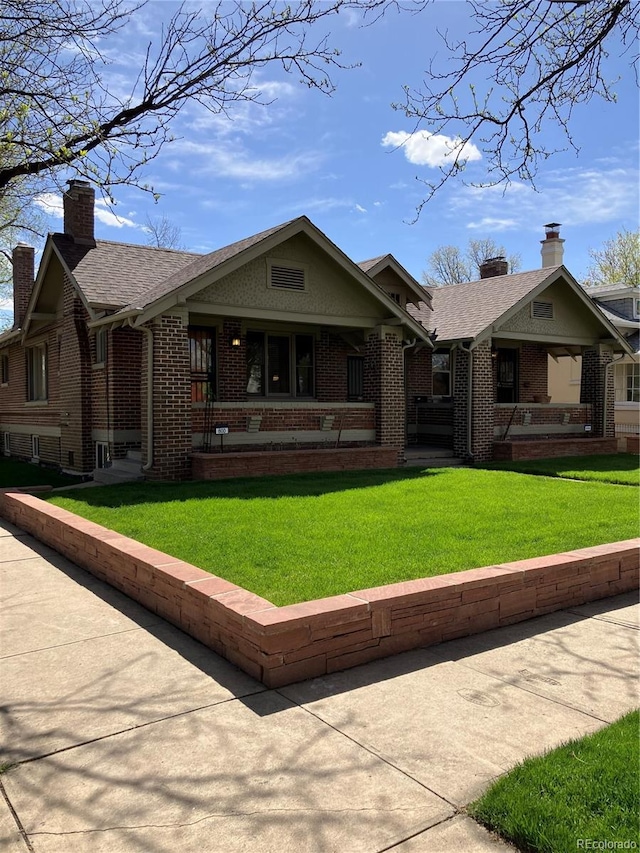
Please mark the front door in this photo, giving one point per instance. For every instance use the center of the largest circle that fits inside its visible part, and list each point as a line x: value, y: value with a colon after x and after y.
x: 507, y: 375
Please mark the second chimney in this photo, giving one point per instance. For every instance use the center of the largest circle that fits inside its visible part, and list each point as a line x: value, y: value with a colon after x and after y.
x: 494, y: 266
x: 78, y: 203
x: 552, y: 250
x: 23, y: 278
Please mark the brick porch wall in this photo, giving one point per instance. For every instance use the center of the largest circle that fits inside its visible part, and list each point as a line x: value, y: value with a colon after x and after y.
x: 597, y: 388
x: 281, y: 645
x: 549, y: 448
x: 461, y: 403
x: 482, y: 419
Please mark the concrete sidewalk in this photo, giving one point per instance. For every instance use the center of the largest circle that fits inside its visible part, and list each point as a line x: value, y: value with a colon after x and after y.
x: 130, y: 737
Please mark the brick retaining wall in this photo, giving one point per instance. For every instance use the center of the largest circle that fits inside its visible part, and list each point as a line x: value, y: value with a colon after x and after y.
x: 549, y: 448
x: 281, y: 645
x: 217, y: 466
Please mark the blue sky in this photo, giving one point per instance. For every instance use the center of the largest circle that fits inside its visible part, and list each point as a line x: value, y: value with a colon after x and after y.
x: 336, y: 159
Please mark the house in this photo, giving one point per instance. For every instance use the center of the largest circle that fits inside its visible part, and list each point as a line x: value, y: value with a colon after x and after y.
x: 204, y: 365
x: 621, y: 305
x: 493, y: 341
x: 279, y: 341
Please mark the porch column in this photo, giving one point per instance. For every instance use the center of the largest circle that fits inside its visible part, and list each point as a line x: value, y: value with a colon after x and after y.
x: 482, y: 403
x: 597, y: 388
x: 171, y: 399
x: 384, y: 385
x: 461, y: 403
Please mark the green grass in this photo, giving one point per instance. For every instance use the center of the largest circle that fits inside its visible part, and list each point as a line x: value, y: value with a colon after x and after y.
x: 308, y: 536
x: 585, y: 789
x: 16, y: 473
x: 621, y: 468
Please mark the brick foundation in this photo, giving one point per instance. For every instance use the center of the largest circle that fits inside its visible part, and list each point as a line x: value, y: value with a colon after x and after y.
x: 218, y: 466
x: 281, y: 645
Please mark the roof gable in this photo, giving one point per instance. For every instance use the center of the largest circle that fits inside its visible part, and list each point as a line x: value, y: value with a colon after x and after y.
x: 383, y: 263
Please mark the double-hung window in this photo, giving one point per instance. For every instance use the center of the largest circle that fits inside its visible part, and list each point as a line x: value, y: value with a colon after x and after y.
x: 37, y: 372
x: 279, y: 365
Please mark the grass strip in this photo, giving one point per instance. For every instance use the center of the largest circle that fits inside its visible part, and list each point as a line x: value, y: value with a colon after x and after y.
x: 620, y: 468
x: 587, y: 790
x: 303, y: 537
x: 14, y: 472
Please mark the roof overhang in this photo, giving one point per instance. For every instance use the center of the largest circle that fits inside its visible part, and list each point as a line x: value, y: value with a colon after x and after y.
x: 302, y: 225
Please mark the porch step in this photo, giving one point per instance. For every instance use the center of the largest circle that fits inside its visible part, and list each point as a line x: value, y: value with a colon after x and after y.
x: 430, y: 457
x: 121, y: 471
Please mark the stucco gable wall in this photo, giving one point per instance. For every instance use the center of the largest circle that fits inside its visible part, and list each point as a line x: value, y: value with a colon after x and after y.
x: 391, y: 282
x: 329, y: 290
x: 571, y: 318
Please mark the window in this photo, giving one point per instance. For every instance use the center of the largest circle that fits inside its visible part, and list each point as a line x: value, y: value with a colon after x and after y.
x: 279, y: 365
x: 396, y: 297
x: 441, y: 367
x: 37, y: 372
x: 284, y: 276
x: 101, y: 346
x: 506, y: 375
x: 632, y: 383
x: 355, y: 377
x: 7, y: 444
x: 202, y: 362
x: 4, y: 369
x: 35, y: 447
x: 103, y: 460
x: 636, y: 304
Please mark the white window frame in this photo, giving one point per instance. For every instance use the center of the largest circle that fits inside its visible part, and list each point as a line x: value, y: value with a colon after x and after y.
x: 102, y: 454
x: 35, y: 448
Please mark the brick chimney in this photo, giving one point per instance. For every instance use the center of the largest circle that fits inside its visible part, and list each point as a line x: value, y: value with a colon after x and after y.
x: 494, y: 266
x: 78, y: 203
x: 23, y: 278
x: 552, y: 250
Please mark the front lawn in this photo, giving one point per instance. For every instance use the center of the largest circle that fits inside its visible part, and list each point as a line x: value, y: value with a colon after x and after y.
x: 309, y: 536
x: 622, y: 468
x: 585, y: 791
x: 14, y: 472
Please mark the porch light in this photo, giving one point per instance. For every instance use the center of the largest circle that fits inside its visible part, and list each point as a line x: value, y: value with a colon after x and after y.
x: 494, y: 352
x: 235, y: 341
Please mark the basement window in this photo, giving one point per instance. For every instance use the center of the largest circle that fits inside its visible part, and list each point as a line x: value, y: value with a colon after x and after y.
x: 541, y: 310
x: 283, y: 275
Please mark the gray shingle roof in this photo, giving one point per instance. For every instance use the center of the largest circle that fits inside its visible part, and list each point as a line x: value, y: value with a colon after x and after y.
x: 117, y: 273
x: 198, y: 266
x: 464, y: 311
x: 365, y: 266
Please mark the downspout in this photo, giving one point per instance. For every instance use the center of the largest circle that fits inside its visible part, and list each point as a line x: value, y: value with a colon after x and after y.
x: 148, y: 332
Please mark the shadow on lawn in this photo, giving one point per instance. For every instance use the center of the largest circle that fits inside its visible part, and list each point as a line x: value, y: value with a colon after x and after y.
x: 570, y: 466
x: 250, y: 488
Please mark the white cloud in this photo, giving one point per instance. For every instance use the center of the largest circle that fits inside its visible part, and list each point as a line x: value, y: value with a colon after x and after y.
x: 360, y: 209
x: 50, y: 203
x: 430, y: 149
x: 489, y: 223
x: 232, y: 162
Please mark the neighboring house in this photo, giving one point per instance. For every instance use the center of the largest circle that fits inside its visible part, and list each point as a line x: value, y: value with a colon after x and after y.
x: 493, y: 339
x: 621, y: 305
x: 280, y: 342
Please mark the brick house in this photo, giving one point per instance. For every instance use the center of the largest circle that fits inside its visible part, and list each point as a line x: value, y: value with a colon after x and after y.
x: 494, y: 338
x: 130, y: 351
x: 621, y: 305
x: 177, y: 365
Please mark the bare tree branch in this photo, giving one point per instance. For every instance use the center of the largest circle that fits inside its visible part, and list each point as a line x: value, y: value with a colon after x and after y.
x: 526, y: 66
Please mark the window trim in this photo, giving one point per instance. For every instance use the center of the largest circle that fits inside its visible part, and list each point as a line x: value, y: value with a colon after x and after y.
x: 41, y: 387
x: 292, y: 394
x: 4, y: 368
x: 449, y: 371
x: 100, y: 347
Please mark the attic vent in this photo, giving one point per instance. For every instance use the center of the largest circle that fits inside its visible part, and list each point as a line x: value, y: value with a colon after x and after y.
x: 542, y: 310
x: 287, y: 278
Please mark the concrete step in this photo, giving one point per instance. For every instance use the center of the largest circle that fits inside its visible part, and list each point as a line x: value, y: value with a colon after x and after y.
x: 132, y: 466
x: 111, y: 476
x: 432, y: 462
x: 135, y: 455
